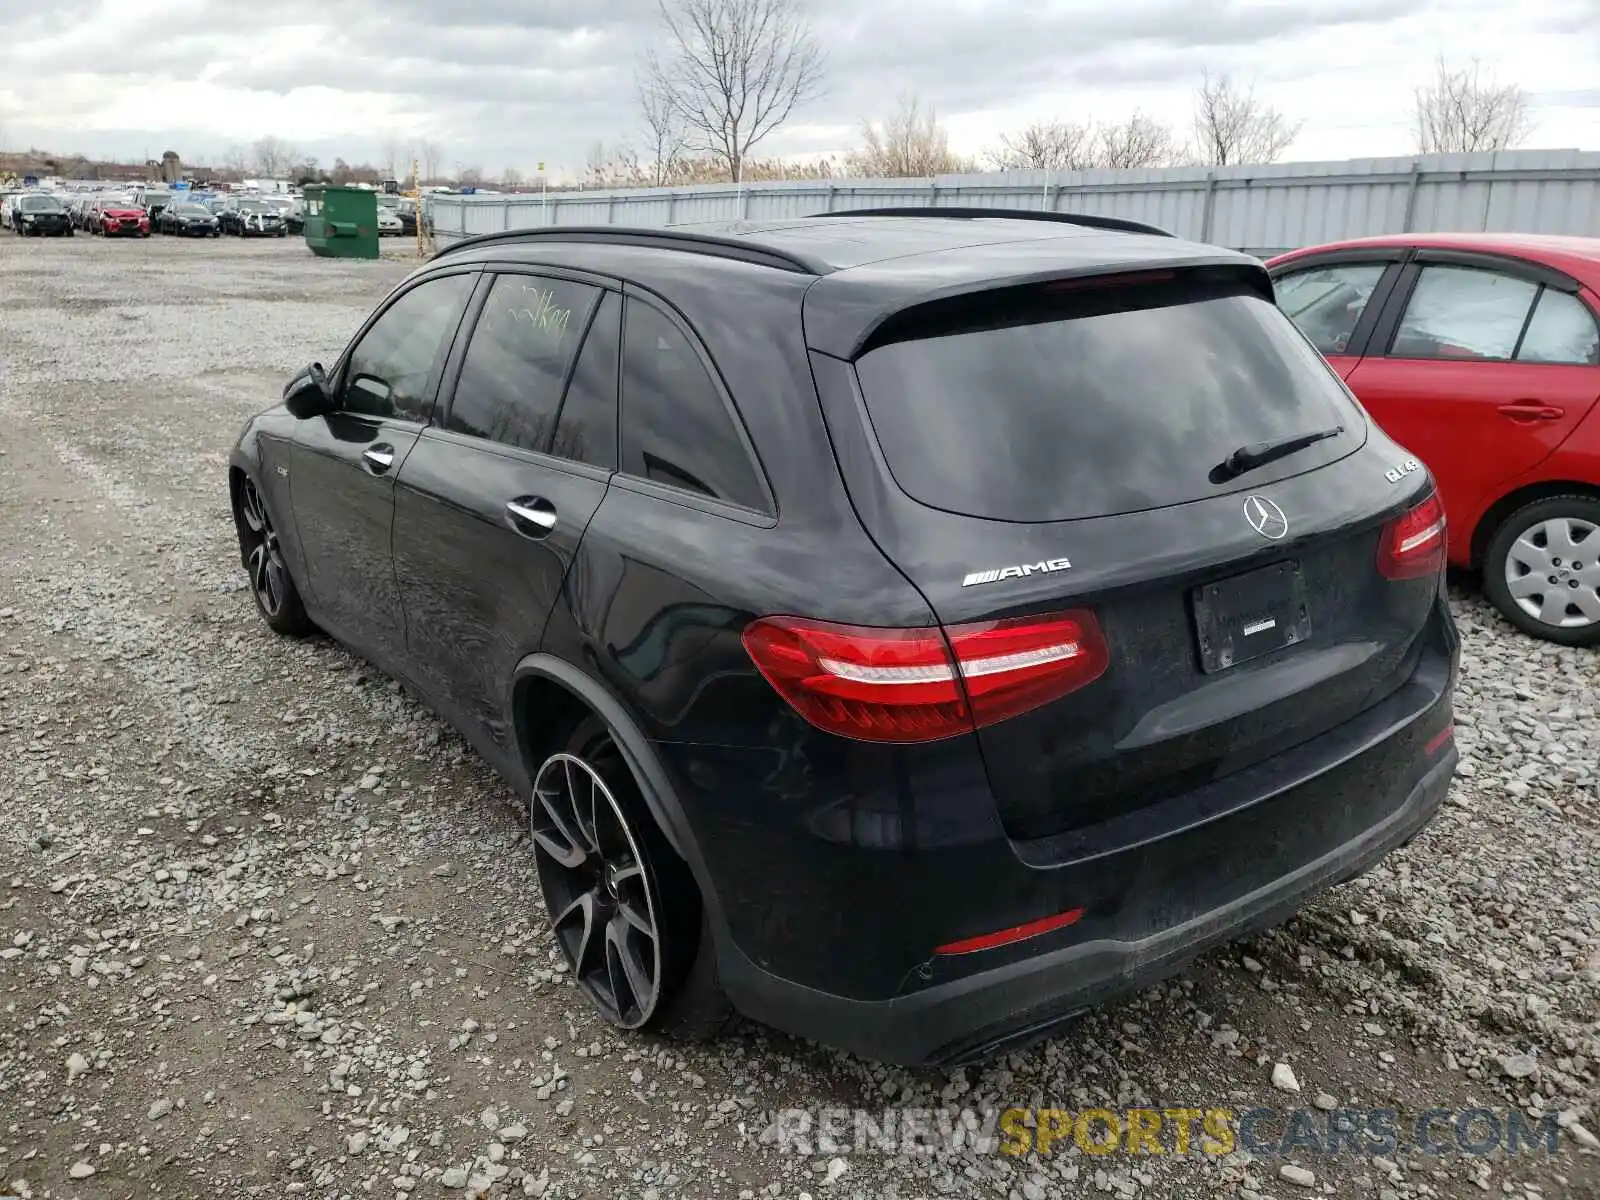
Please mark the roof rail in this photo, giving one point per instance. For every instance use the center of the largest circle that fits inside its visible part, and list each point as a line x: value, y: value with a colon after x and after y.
x: 1011, y: 214
x: 664, y: 239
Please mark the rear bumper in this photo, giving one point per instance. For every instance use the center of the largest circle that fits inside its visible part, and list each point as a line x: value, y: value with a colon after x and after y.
x: 982, y: 1015
x: 1286, y: 830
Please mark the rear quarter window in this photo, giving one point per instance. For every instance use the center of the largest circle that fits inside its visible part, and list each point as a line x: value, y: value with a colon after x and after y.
x: 676, y: 429
x: 1050, y: 405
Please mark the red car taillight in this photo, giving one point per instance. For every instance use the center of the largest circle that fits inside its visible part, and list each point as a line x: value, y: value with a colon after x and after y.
x: 1413, y: 544
x: 919, y: 685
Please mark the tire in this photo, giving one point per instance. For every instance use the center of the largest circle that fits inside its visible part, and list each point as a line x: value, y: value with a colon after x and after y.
x: 605, y: 867
x: 1557, y: 540
x: 276, y: 597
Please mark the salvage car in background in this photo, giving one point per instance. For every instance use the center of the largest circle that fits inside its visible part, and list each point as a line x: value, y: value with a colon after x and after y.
x: 152, y: 199
x: 252, y: 218
x: 1480, y: 353
x: 406, y: 210
x: 118, y: 218
x: 39, y: 214
x: 188, y: 220
x: 389, y: 222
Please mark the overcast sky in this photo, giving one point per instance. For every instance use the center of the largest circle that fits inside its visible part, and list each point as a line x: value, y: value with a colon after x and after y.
x: 499, y: 83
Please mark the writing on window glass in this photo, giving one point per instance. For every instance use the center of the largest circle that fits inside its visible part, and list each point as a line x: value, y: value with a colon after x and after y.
x: 539, y: 311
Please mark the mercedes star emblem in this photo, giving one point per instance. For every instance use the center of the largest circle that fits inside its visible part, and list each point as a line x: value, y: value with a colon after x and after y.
x: 1265, y: 517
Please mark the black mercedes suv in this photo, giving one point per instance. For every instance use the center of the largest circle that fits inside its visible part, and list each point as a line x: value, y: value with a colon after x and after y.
x: 909, y: 627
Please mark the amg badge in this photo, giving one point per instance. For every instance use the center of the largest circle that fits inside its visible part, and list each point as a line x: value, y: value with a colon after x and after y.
x: 1020, y: 571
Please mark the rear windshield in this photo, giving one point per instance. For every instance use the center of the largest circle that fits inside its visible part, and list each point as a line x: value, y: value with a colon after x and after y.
x: 1079, y: 401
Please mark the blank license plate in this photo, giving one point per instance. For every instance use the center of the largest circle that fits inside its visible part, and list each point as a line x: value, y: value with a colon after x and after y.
x: 1249, y: 615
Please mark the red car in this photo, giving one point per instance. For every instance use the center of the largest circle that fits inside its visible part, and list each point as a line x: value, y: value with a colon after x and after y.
x: 119, y: 220
x: 1481, y: 354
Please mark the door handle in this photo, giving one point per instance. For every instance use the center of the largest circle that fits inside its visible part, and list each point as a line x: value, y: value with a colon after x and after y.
x: 379, y: 458
x: 1530, y: 410
x: 531, y: 516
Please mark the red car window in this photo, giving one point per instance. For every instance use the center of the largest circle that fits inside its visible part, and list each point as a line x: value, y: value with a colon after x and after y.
x: 1562, y: 330
x: 1464, y: 312
x: 1326, y: 302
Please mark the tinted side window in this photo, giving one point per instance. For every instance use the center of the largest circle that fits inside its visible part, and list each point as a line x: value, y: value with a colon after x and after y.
x: 388, y: 372
x: 1326, y: 302
x: 511, y: 378
x: 586, y: 430
x: 1463, y: 313
x: 1562, y: 330
x: 675, y: 428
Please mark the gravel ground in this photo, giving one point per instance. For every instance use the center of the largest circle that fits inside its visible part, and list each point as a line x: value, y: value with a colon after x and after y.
x: 268, y: 927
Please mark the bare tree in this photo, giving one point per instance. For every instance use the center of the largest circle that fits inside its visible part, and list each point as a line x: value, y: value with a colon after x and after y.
x: 272, y: 156
x: 663, y: 128
x: 1140, y: 141
x: 908, y: 144
x: 429, y: 153
x: 392, y: 155
x: 511, y: 177
x: 471, y: 177
x: 735, y: 70
x: 1046, y: 146
x: 236, y: 161
x: 1232, y: 127
x: 1461, y: 111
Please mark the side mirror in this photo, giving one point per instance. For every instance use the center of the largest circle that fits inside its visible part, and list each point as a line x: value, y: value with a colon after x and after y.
x: 307, y: 394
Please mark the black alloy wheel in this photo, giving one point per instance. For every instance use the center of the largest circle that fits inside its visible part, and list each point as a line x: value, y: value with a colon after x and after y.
x: 603, y: 902
x: 270, y: 582
x: 624, y: 907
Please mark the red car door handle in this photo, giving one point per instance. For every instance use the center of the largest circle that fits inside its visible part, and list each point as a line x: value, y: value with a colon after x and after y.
x: 1531, y: 410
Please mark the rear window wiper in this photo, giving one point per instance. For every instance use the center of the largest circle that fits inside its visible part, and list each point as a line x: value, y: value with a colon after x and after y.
x: 1259, y: 454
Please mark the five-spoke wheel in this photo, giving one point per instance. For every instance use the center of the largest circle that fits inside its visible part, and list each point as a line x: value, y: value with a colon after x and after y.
x: 270, y: 582
x: 597, y: 891
x: 623, y: 906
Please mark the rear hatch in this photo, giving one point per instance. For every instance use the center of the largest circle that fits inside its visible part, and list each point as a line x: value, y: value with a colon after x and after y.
x: 1052, y: 457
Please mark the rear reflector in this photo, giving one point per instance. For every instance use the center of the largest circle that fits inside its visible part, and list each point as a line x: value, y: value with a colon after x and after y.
x: 1438, y: 741
x: 917, y: 685
x: 1017, y: 933
x: 1413, y: 544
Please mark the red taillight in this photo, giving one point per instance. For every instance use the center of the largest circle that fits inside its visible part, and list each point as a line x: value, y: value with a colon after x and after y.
x: 1413, y: 544
x: 902, y: 685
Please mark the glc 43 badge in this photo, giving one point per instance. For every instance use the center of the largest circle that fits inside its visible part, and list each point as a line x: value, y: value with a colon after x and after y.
x: 1395, y: 474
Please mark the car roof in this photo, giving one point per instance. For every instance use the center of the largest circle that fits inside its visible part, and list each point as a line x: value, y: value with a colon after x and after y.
x: 1578, y: 256
x: 869, y: 267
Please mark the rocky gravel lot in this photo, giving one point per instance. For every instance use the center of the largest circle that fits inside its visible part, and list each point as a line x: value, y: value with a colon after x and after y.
x: 268, y: 928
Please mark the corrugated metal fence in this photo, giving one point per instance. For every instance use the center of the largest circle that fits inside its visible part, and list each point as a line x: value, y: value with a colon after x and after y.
x: 1261, y: 209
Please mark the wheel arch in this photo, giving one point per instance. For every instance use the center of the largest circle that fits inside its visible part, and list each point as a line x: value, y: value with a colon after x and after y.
x: 546, y: 691
x: 1484, y: 531
x: 238, y: 469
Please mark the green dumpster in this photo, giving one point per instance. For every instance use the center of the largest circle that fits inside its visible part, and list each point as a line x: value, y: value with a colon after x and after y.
x: 341, y: 222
